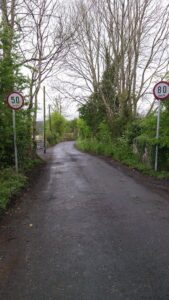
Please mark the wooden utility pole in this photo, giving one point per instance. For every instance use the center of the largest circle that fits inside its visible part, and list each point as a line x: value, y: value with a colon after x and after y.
x: 50, y: 121
x: 44, y: 120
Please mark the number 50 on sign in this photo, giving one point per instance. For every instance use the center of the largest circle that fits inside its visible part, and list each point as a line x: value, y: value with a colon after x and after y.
x: 15, y: 100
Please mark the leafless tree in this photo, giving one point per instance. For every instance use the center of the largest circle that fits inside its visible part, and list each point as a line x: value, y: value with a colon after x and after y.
x: 47, y: 40
x: 83, y: 65
x: 46, y: 36
x: 136, y: 33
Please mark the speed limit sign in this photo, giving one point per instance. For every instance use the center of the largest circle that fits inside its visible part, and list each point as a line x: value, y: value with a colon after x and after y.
x: 15, y: 100
x: 161, y: 90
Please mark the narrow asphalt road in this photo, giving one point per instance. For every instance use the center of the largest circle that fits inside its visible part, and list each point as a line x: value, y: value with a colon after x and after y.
x: 85, y: 231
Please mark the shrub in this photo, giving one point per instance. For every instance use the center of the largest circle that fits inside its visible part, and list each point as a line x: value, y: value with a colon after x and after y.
x: 10, y: 184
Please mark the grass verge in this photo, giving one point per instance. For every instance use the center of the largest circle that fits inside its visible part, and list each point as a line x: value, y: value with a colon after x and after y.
x: 119, y: 152
x: 12, y: 183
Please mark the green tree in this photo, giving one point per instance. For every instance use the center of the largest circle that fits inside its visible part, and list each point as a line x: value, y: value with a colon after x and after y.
x: 57, y: 130
x: 11, y: 79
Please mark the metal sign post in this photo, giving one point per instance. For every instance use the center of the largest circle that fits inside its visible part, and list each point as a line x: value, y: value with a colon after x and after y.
x: 157, y: 135
x: 15, y: 144
x: 15, y: 101
x: 161, y: 92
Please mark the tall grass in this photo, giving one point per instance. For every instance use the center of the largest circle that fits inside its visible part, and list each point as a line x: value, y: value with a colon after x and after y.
x: 119, y: 151
x: 10, y: 184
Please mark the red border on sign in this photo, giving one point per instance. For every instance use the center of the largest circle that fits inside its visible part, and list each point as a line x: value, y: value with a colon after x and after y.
x: 164, y: 98
x: 17, y: 94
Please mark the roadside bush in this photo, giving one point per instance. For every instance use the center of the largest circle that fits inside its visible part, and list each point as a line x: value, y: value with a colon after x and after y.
x: 135, y: 142
x: 146, y: 141
x: 133, y: 130
x: 104, y: 134
x: 84, y: 130
x: 10, y: 184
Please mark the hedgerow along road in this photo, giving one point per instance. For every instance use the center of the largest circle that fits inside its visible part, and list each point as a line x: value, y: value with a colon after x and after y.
x: 85, y: 231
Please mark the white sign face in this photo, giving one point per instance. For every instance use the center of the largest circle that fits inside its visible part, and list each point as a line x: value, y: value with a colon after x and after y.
x: 161, y: 90
x: 15, y: 100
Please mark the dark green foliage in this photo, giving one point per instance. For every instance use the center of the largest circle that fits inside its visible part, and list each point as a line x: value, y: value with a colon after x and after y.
x: 138, y: 139
x: 93, y: 112
x: 105, y: 106
x: 133, y: 130
x: 12, y: 79
x: 148, y: 133
x: 108, y: 85
x: 10, y: 184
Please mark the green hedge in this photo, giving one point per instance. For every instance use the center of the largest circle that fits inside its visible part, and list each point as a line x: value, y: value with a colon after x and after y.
x: 143, y: 142
x: 10, y: 184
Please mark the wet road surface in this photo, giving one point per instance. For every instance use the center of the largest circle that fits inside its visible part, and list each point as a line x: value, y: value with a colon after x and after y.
x: 85, y: 231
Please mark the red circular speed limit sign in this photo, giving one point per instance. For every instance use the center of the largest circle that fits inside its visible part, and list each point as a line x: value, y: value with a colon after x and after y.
x: 161, y: 90
x: 15, y: 100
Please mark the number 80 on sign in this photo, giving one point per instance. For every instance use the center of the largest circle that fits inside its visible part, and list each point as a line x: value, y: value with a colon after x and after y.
x: 161, y: 90
x: 15, y: 100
